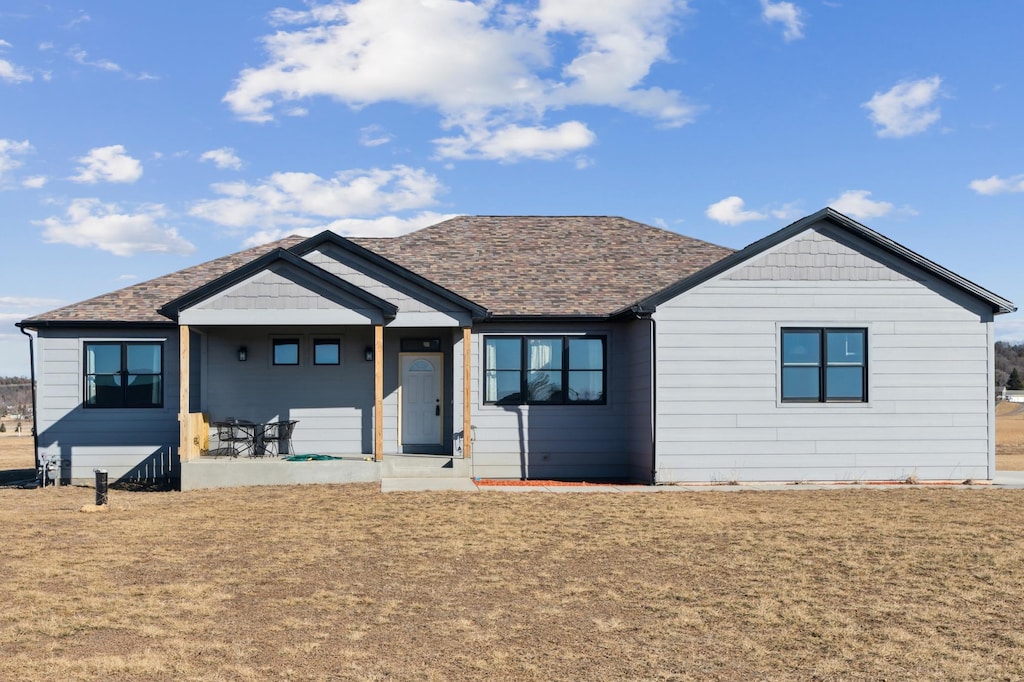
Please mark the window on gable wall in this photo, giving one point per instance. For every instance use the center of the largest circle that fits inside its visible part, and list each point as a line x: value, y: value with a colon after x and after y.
x: 124, y: 374
x: 544, y: 370
x: 824, y: 365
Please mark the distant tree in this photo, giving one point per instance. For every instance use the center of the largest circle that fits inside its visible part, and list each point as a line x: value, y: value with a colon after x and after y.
x: 1015, y: 383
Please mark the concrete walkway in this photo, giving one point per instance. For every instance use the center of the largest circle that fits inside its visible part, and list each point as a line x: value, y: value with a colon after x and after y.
x: 397, y: 485
x: 1004, y: 479
x: 1009, y: 479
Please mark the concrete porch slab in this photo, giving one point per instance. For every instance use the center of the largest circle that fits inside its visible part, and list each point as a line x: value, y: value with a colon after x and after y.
x: 220, y: 473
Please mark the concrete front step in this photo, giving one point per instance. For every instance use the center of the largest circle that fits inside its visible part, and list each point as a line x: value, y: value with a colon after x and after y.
x: 424, y: 466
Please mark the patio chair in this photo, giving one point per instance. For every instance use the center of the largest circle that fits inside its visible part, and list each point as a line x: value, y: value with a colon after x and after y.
x: 277, y: 438
x: 234, y: 438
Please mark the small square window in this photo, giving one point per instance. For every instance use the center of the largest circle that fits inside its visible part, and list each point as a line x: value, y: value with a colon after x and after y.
x: 286, y: 351
x: 326, y: 352
x: 824, y: 365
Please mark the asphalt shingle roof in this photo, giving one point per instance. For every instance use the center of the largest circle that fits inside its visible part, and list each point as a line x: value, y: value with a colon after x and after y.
x: 140, y: 302
x: 544, y: 265
x: 510, y: 265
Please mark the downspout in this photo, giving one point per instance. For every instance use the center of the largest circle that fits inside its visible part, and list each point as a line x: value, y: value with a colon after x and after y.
x: 32, y: 373
x: 642, y: 314
x: 654, y: 399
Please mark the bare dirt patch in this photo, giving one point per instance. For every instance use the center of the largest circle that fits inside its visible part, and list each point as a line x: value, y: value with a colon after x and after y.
x: 342, y: 582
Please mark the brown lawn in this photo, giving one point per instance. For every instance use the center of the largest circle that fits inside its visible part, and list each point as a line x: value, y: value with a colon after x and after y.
x: 1010, y: 436
x: 342, y: 582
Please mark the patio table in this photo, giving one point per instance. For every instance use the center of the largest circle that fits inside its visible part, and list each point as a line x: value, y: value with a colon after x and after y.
x: 241, y: 435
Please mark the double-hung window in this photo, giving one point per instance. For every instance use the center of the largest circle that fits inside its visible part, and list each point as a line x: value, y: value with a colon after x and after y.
x: 124, y: 374
x: 824, y: 365
x: 545, y: 370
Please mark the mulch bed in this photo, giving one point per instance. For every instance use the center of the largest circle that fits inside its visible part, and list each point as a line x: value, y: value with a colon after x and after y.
x: 534, y: 483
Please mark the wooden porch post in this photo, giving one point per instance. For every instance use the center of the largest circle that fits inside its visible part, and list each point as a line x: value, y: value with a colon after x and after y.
x: 467, y: 408
x: 378, y: 392
x: 185, y: 449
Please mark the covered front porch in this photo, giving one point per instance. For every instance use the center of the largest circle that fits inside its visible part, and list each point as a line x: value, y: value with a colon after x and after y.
x: 363, y: 378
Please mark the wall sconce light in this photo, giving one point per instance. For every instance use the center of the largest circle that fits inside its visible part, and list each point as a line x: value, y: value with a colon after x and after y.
x: 243, y: 353
x: 368, y: 354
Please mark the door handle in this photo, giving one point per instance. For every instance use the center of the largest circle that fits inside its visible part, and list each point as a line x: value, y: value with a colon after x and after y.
x: 437, y: 411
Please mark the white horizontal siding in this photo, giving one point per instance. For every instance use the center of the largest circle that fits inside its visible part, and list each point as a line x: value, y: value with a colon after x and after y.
x: 929, y: 355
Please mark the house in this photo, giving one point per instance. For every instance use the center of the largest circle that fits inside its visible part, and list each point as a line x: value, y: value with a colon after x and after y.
x: 536, y: 347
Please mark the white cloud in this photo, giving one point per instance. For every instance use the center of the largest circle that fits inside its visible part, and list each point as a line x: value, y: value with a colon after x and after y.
x: 787, y: 14
x: 487, y: 67
x: 729, y: 211
x: 384, y: 226
x: 305, y: 199
x: 513, y: 142
x: 998, y: 185
x: 34, y: 181
x: 11, y: 72
x: 108, y: 164
x: 224, y: 157
x: 856, y: 204
x: 374, y: 136
x: 82, y: 18
x: 788, y: 211
x: 92, y: 223
x: 906, y: 108
x: 82, y: 57
x: 8, y: 150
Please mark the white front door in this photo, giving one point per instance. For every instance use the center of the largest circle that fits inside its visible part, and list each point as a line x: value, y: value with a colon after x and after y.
x: 421, y: 398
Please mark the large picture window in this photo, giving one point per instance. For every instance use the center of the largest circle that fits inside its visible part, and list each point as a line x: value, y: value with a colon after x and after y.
x: 824, y: 365
x: 124, y: 374
x: 545, y: 370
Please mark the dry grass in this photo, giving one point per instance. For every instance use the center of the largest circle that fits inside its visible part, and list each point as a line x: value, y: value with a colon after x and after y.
x: 342, y: 582
x: 16, y: 458
x: 1010, y: 436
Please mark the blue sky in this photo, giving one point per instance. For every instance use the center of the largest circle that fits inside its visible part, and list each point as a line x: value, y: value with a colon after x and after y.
x: 139, y: 138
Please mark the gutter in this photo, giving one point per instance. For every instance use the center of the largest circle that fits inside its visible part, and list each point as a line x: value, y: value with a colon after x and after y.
x: 32, y: 373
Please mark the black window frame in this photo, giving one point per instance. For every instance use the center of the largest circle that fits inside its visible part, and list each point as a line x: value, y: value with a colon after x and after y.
x: 327, y: 341
x: 290, y: 340
x: 124, y: 373
x: 823, y: 365
x: 565, y: 370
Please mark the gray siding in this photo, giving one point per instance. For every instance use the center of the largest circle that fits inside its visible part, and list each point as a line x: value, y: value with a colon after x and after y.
x: 552, y: 441
x: 637, y: 362
x: 416, y: 305
x: 128, y: 443
x: 281, y: 295
x: 332, y: 403
x: 719, y: 414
